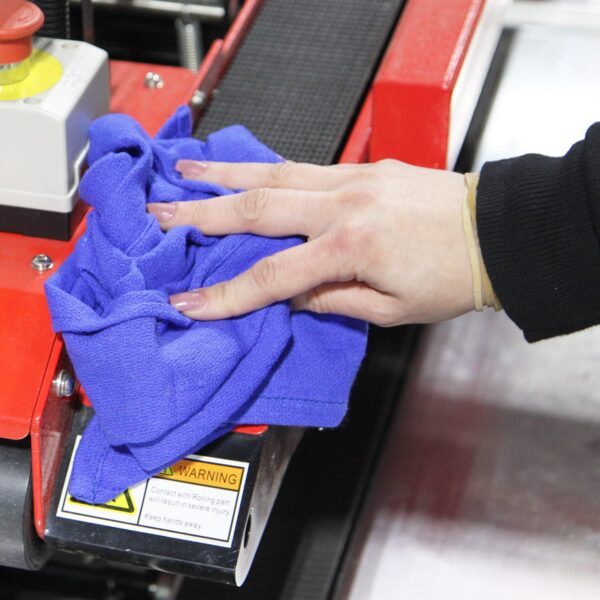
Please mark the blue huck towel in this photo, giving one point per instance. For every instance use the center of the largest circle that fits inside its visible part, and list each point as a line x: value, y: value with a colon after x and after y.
x: 161, y: 384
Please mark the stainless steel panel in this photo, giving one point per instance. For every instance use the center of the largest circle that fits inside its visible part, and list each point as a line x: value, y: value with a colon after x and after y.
x: 490, y: 484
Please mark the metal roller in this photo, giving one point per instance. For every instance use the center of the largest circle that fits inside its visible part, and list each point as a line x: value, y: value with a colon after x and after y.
x: 19, y: 545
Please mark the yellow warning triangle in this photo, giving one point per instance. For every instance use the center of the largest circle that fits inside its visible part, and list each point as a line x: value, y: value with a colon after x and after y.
x: 168, y: 472
x: 122, y: 503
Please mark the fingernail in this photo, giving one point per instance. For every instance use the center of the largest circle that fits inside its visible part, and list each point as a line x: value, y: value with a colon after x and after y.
x: 187, y: 301
x: 162, y: 211
x: 191, y: 169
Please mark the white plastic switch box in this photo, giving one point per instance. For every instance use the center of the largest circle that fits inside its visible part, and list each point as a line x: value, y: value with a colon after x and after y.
x: 44, y: 137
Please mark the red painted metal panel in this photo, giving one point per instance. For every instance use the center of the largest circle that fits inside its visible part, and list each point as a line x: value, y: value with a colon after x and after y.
x: 251, y: 429
x: 50, y: 428
x: 152, y: 107
x: 26, y: 336
x: 413, y: 89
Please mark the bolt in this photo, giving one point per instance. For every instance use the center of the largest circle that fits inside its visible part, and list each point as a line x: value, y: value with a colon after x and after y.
x: 42, y: 262
x: 198, y: 99
x: 153, y: 81
x: 63, y: 385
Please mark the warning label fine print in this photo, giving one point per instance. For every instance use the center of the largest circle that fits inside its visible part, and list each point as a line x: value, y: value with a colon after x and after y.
x: 196, y: 499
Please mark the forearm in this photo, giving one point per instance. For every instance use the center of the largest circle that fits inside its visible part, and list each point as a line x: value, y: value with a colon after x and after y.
x: 537, y: 224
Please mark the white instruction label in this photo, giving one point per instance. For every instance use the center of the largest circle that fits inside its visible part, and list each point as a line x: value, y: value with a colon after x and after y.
x: 197, y: 499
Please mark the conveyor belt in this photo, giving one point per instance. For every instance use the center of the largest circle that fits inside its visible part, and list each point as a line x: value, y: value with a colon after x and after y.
x: 297, y: 83
x: 301, y: 73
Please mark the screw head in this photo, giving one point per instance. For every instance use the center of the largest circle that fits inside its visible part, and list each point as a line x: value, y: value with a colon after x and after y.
x: 153, y: 81
x: 64, y: 384
x: 198, y: 99
x: 42, y: 262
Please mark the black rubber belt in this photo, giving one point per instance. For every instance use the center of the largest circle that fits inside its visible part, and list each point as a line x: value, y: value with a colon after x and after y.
x: 301, y: 73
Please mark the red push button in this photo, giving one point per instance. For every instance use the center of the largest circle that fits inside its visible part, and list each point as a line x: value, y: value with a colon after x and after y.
x: 19, y: 20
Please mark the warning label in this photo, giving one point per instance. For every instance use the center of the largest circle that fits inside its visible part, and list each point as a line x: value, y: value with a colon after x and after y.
x: 203, y: 473
x: 122, y: 503
x: 196, y: 499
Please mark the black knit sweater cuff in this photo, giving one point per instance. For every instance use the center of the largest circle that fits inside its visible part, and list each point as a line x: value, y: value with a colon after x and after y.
x: 536, y: 224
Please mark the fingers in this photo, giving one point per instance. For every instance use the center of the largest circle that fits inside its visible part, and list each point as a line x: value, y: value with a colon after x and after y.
x: 277, y: 277
x: 351, y: 299
x: 296, y: 176
x: 263, y: 211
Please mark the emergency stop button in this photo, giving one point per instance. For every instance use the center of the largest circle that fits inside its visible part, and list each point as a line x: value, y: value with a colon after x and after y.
x: 19, y: 20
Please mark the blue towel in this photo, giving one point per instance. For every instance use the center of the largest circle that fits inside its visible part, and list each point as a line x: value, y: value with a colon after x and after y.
x: 161, y: 384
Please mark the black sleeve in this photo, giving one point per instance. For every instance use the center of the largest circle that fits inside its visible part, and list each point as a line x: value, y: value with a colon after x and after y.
x: 538, y: 220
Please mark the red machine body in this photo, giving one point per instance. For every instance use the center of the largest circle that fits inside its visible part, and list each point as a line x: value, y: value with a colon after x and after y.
x: 412, y: 94
x: 406, y: 116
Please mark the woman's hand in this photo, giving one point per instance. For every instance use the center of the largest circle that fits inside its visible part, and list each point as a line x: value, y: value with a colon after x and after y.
x: 385, y: 241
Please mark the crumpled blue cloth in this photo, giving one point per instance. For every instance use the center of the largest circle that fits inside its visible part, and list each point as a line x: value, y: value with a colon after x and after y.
x: 161, y: 384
